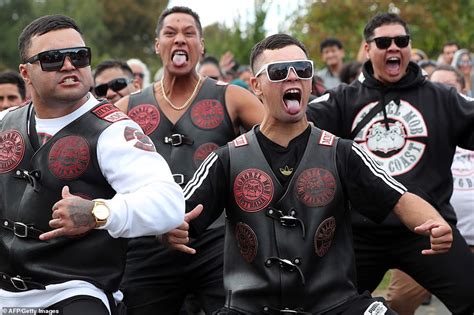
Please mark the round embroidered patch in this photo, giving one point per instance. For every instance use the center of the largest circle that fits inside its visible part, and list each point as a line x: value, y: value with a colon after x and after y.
x: 324, y: 235
x: 315, y: 187
x: 202, y: 152
x: 253, y: 190
x: 147, y: 116
x: 207, y: 114
x: 142, y: 141
x: 12, y: 150
x: 247, y: 241
x: 69, y: 157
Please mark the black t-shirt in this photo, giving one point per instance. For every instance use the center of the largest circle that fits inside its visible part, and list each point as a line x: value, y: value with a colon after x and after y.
x: 365, y: 184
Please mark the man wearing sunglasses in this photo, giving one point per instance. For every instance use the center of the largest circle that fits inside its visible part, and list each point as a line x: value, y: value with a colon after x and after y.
x: 113, y: 80
x: 288, y: 241
x: 187, y: 117
x: 72, y: 184
x: 411, y: 127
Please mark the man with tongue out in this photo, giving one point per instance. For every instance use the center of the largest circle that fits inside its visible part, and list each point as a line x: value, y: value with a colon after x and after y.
x: 187, y: 117
x: 285, y: 187
x: 411, y: 127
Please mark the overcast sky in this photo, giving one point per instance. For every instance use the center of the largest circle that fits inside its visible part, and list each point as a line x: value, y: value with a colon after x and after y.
x: 211, y: 11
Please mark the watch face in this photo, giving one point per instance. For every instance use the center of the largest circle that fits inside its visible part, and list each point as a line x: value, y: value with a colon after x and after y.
x: 101, y: 212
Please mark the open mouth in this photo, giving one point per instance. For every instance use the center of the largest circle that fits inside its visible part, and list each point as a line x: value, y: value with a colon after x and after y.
x: 292, y: 100
x: 393, y: 64
x: 69, y: 80
x: 179, y: 57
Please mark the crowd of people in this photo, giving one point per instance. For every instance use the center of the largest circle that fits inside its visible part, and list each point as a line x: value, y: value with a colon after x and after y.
x: 219, y: 188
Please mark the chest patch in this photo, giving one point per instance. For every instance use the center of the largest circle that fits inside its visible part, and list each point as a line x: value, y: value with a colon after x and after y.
x: 12, y: 150
x: 207, y: 114
x: 324, y: 235
x: 315, y: 187
x: 246, y: 241
x: 202, y: 152
x: 253, y: 190
x: 69, y: 157
x: 147, y: 116
x: 399, y: 142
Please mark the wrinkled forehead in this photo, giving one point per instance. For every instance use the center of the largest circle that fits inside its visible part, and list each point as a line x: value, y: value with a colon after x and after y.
x: 179, y: 19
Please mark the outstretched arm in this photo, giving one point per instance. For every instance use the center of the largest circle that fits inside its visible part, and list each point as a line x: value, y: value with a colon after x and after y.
x: 420, y: 217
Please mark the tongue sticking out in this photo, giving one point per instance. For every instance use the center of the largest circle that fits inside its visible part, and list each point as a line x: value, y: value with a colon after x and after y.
x: 293, y: 106
x: 179, y: 60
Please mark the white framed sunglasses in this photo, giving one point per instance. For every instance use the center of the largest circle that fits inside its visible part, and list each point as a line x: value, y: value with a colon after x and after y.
x: 280, y: 70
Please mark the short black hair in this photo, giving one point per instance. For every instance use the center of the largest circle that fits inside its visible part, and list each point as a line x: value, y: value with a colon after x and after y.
x: 177, y: 9
x: 383, y: 19
x: 330, y: 42
x: 350, y: 71
x: 273, y: 42
x: 40, y: 26
x: 108, y: 64
x: 11, y: 77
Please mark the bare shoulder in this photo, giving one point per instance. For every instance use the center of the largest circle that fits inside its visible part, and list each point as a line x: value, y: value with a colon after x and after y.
x: 122, y: 104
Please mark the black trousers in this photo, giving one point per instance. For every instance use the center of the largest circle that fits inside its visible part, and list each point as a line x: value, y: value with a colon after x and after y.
x: 449, y: 276
x: 80, y: 305
x: 179, y: 274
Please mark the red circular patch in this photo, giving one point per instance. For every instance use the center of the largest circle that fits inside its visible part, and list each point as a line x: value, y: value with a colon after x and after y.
x: 147, y: 116
x: 324, y: 235
x: 69, y: 157
x: 253, y: 190
x: 12, y: 150
x: 315, y: 187
x: 207, y: 114
x: 202, y: 152
x: 247, y: 241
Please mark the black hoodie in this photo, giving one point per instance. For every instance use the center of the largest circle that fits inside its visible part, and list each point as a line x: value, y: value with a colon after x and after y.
x: 413, y: 136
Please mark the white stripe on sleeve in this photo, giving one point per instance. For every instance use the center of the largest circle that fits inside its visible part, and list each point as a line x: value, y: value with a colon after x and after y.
x: 378, y: 171
x: 199, y: 175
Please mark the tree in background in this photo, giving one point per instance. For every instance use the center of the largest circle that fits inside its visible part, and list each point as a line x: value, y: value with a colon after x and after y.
x: 114, y: 29
x: 431, y: 23
x: 239, y: 39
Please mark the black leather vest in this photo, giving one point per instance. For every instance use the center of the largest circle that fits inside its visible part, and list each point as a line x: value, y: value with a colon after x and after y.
x: 204, y: 127
x: 287, y: 249
x: 68, y: 158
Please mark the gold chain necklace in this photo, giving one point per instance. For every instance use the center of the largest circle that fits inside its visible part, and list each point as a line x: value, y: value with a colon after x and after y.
x: 185, y: 103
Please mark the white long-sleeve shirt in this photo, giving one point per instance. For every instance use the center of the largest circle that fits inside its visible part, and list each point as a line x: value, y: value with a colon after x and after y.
x: 148, y: 201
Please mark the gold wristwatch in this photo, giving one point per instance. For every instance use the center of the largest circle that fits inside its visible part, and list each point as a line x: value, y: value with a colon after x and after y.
x: 101, y: 213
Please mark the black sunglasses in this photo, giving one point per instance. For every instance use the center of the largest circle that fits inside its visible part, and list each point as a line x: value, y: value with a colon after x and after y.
x: 53, y: 60
x: 116, y: 85
x: 384, y: 42
x: 280, y: 70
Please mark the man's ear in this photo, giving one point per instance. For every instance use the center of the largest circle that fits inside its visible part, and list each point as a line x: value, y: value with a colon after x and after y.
x: 157, y: 45
x: 367, y: 49
x: 255, y: 85
x: 23, y: 70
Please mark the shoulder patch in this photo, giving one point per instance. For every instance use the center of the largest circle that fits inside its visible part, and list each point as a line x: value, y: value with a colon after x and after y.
x: 240, y: 141
x: 109, y: 112
x: 326, y: 138
x: 376, y: 308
